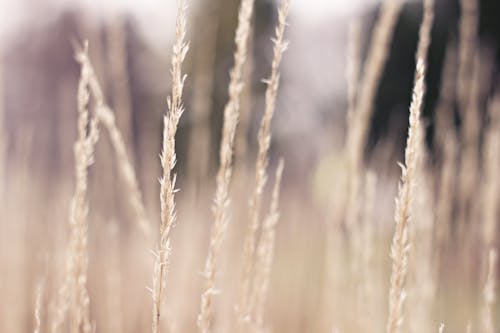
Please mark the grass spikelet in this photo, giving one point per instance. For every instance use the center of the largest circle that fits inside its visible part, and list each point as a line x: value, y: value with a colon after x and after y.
x: 168, y: 160
x: 221, y: 200
x: 264, y: 142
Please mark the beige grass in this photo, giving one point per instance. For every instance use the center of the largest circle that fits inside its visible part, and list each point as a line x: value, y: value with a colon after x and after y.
x: 372, y: 72
x: 265, y: 253
x: 221, y: 200
x: 491, y: 186
x: 261, y: 164
x: 168, y: 160
x: 106, y: 117
x: 400, y: 243
x: 73, y: 294
x: 414, y: 155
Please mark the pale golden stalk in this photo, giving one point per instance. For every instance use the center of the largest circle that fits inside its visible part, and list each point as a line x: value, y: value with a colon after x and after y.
x: 400, y: 241
x: 106, y: 116
x: 264, y: 142
x: 359, y: 120
x: 412, y: 169
x: 265, y: 253
x: 348, y: 205
x: 168, y: 160
x: 73, y: 294
x: 491, y: 187
x: 376, y: 59
x: 241, y: 144
x: 441, y: 328
x: 423, y: 287
x: 221, y: 200
x: 489, y: 293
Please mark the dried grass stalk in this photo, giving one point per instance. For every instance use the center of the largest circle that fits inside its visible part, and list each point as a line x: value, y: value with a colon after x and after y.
x: 376, y: 59
x: 221, y: 200
x: 73, y: 294
x: 359, y: 120
x: 106, y: 117
x: 264, y: 142
x: 489, y: 293
x: 168, y: 160
x: 491, y: 185
x: 410, y: 171
x: 265, y: 253
x: 400, y: 242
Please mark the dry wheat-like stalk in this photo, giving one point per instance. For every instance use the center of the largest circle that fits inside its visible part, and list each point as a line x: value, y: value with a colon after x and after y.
x: 400, y: 241
x: 491, y: 187
x: 377, y: 56
x: 353, y: 183
x: 414, y: 153
x: 359, y: 120
x: 221, y: 200
x: 106, y: 117
x: 264, y: 142
x: 73, y: 294
x: 423, y: 287
x: 265, y: 253
x: 168, y: 160
x: 489, y: 293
